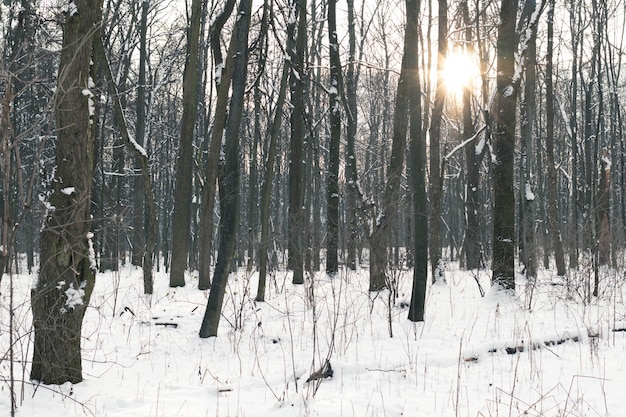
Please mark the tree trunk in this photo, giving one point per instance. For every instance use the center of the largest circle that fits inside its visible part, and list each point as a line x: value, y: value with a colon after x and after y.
x: 527, y: 198
x: 388, y: 213
x: 67, y: 268
x: 181, y: 225
x: 603, y: 211
x: 473, y: 156
x: 141, y: 158
x: 140, y: 130
x: 268, y: 181
x: 418, y: 166
x: 352, y: 195
x: 435, y: 182
x: 504, y: 122
x: 229, y: 186
x: 573, y: 124
x: 332, y: 187
x: 224, y: 72
x: 267, y: 184
x: 555, y: 234
x: 297, y: 144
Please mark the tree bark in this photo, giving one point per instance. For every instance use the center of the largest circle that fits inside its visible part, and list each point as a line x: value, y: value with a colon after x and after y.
x: 229, y: 186
x: 553, y: 211
x: 224, y: 73
x: 141, y: 158
x: 435, y: 182
x: 332, y: 187
x: 418, y: 166
x: 504, y: 122
x: 527, y: 198
x: 67, y: 268
x: 388, y: 212
x: 297, y: 144
x: 181, y: 221
x: 139, y: 240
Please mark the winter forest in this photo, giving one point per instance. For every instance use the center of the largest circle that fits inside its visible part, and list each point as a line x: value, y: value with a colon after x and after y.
x: 312, y: 207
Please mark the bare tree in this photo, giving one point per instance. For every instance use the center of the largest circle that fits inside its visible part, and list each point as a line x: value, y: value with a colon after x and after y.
x: 229, y: 180
x: 504, y: 123
x: 181, y: 222
x: 418, y: 166
x: 553, y: 211
x: 67, y: 268
x: 332, y: 187
x: 297, y: 141
x: 435, y: 182
x: 388, y: 212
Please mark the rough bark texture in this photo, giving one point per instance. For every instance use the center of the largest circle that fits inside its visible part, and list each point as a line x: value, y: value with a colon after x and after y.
x: 66, y: 274
x: 181, y: 219
x: 504, y: 129
x: 332, y: 185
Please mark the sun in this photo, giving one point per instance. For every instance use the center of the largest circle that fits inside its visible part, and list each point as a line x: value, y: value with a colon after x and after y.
x: 459, y: 71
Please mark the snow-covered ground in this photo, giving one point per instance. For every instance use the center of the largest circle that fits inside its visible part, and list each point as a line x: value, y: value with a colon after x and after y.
x: 473, y: 356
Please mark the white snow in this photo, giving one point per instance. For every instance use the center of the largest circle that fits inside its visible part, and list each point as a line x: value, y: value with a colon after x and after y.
x: 567, y: 355
x: 68, y: 190
x: 71, y: 8
x: 480, y: 146
x: 218, y: 73
x: 92, y: 107
x: 93, y: 265
x: 530, y: 196
x: 137, y: 146
x: 74, y: 296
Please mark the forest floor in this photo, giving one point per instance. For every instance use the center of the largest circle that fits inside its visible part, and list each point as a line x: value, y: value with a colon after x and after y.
x: 544, y: 352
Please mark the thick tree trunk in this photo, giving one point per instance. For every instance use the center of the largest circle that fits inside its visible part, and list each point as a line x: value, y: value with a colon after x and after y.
x: 67, y: 268
x: 504, y: 123
x: 181, y: 221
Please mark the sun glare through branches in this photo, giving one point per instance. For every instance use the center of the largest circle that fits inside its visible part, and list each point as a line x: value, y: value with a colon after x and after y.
x: 459, y: 71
